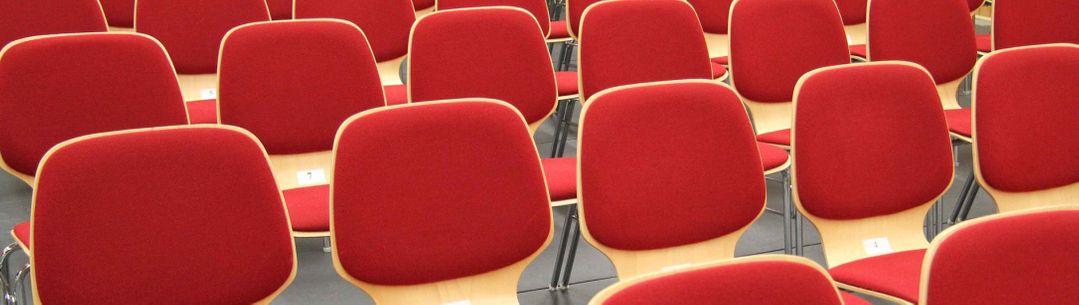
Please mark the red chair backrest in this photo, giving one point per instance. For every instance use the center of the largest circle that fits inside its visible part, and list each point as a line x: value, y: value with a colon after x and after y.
x: 701, y: 163
x: 1026, y: 112
x: 386, y: 23
x: 775, y: 42
x: 159, y: 215
x: 405, y: 177
x: 538, y: 8
x: 905, y: 164
x: 936, y: 34
x: 515, y: 66
x: 423, y: 4
x: 20, y: 18
x: 295, y: 95
x: 280, y: 9
x: 853, y: 11
x: 574, y: 11
x: 713, y: 14
x: 192, y: 30
x: 120, y: 13
x: 638, y: 41
x: 1039, y: 266
x: 1021, y: 23
x: 59, y: 87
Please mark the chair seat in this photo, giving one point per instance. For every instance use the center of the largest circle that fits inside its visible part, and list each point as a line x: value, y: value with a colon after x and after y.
x: 309, y: 208
x: 396, y: 94
x: 567, y: 83
x: 558, y: 30
x: 202, y: 112
x: 718, y: 70
x: 720, y: 60
x: 779, y: 137
x: 851, y: 299
x: 772, y: 156
x: 859, y: 50
x: 985, y: 42
x: 561, y: 177
x: 22, y: 233
x: 897, y: 274
x: 959, y: 121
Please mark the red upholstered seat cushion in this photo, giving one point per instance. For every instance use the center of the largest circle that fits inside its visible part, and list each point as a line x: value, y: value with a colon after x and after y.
x: 386, y: 23
x: 309, y: 208
x: 851, y: 299
x: 567, y: 83
x: 561, y: 174
x: 558, y: 30
x: 958, y: 121
x: 191, y: 31
x: 780, y: 137
x: 1024, y: 23
x: 772, y: 156
x: 202, y: 112
x: 119, y: 13
x: 21, y: 232
x: 937, y: 35
x: 897, y: 274
x: 859, y: 50
x: 21, y: 19
x: 985, y: 42
x: 396, y: 94
x: 720, y: 60
x: 718, y: 70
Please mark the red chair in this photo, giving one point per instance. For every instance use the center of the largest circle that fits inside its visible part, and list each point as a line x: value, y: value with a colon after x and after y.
x: 1038, y: 267
x: 762, y: 280
x: 20, y: 19
x: 424, y: 7
x: 120, y: 14
x: 869, y: 195
x: 386, y: 23
x: 1025, y: 127
x: 1023, y: 23
x: 713, y: 15
x: 404, y: 179
x: 280, y: 9
x: 191, y: 31
x: 294, y: 99
x: 159, y: 215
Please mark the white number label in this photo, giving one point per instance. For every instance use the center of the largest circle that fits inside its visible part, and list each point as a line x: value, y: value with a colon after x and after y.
x: 208, y: 93
x: 877, y: 246
x: 311, y: 176
x: 465, y: 302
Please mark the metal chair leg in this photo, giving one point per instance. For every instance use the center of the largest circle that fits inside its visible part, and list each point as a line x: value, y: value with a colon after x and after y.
x: 572, y: 254
x: 5, y: 271
x: 18, y: 285
x: 788, y: 245
x: 567, y: 120
x: 561, y: 255
x: 970, y: 201
x: 326, y: 246
x: 560, y: 126
x: 959, y: 203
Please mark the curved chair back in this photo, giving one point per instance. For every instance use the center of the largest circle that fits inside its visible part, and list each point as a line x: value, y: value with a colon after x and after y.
x: 386, y: 23
x: 158, y: 215
x: 538, y: 8
x: 690, y: 188
x: 619, y: 45
x: 1022, y: 23
x: 515, y: 66
x: 750, y: 280
x: 574, y: 12
x: 1026, y: 131
x: 775, y: 42
x: 54, y: 88
x: 438, y: 203
x: 20, y: 19
x: 1039, y: 266
x: 119, y: 13
x: 869, y: 188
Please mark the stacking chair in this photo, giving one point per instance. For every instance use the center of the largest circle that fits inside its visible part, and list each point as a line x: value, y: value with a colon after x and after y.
x: 120, y: 14
x: 20, y: 19
x: 762, y: 280
x: 1021, y: 23
x: 869, y: 195
x: 295, y: 98
x: 421, y: 216
x: 1026, y: 132
x: 156, y: 215
x: 191, y: 31
x: 1014, y: 258
x: 386, y: 23
x: 57, y: 87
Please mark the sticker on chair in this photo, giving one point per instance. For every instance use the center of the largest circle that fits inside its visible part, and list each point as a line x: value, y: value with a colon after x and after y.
x: 311, y: 176
x: 877, y: 246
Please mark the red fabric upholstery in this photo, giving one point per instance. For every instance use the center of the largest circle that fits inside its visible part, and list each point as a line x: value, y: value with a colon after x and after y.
x: 567, y: 83
x: 57, y: 88
x: 754, y: 282
x: 853, y: 11
x: 905, y: 163
x: 771, y: 156
x: 851, y: 299
x: 575, y: 10
x: 958, y: 121
x: 774, y: 42
x: 708, y: 176
x: 713, y: 14
x: 859, y: 50
x: 984, y: 42
x: 188, y: 214
x: 119, y: 13
x: 192, y: 30
x: 718, y: 70
x: 936, y: 34
x: 778, y: 137
x: 639, y: 41
x: 558, y: 30
x: 309, y: 208
x: 1024, y: 23
x: 561, y: 176
x: 405, y: 178
x: 538, y: 8
x: 895, y: 274
x: 423, y: 4
x: 1025, y: 108
x: 386, y: 23
x: 280, y: 9
x: 515, y: 66
x: 202, y: 112
x: 322, y: 76
x: 722, y: 60
x: 1039, y: 266
x: 21, y: 231
x: 974, y: 4
x: 396, y: 94
x: 21, y: 19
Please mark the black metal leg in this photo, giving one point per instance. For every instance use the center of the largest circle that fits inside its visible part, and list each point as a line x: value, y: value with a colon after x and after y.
x: 560, y: 257
x: 559, y: 128
x: 970, y: 201
x: 567, y: 119
x: 572, y: 254
x: 962, y: 199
